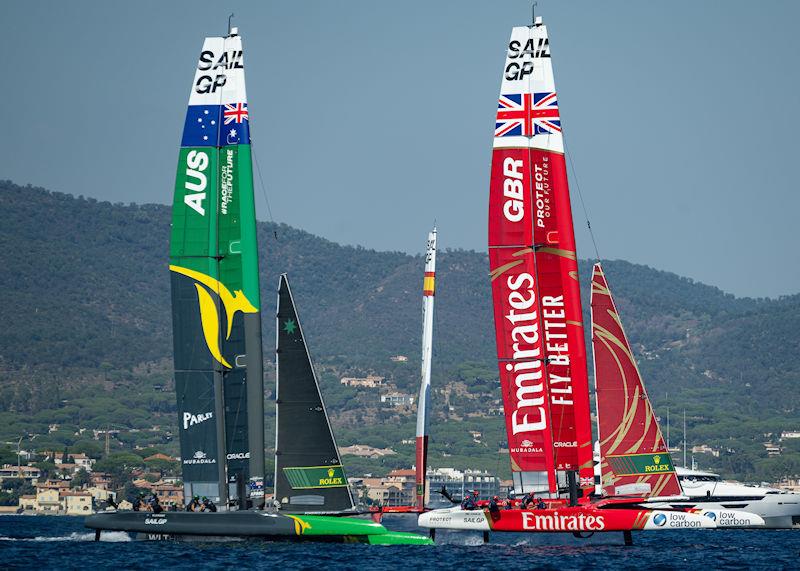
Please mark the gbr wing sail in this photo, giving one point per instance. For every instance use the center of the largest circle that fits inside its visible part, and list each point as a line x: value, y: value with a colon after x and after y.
x: 534, y: 274
x: 634, y: 458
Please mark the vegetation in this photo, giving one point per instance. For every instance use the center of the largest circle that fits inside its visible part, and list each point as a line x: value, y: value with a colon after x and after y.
x: 86, y: 343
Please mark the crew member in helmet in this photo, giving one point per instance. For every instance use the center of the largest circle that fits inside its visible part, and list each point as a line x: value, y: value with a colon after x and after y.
x: 494, y: 504
x: 208, y: 505
x: 527, y: 500
x: 470, y: 501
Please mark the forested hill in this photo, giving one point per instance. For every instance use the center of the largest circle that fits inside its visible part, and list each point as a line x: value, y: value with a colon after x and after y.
x: 86, y: 289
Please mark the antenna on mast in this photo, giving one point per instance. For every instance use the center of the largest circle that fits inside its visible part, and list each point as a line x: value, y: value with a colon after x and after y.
x: 231, y: 31
x: 533, y: 13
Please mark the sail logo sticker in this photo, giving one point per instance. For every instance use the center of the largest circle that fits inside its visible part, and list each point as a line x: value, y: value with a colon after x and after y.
x: 196, y: 181
x: 199, y: 457
x: 315, y: 477
x: 238, y: 456
x: 226, y: 182
x: 557, y: 522
x: 209, y: 314
x: 211, y: 63
x: 190, y: 419
x: 640, y: 464
x: 527, y: 370
x: 527, y: 114
x: 514, y: 206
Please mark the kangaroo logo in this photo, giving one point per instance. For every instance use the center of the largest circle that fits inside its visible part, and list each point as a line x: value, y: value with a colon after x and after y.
x: 209, y: 316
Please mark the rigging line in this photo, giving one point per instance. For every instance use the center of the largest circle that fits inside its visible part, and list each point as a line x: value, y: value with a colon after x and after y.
x: 580, y: 195
x: 264, y: 189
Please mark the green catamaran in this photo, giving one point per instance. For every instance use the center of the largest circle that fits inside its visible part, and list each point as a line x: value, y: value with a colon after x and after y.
x: 218, y: 350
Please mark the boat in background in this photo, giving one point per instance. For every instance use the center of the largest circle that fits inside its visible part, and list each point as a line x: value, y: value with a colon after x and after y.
x: 423, y: 403
x: 538, y: 322
x: 218, y: 351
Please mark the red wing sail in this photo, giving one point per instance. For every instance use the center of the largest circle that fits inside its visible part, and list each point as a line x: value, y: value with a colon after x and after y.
x: 534, y: 272
x: 634, y: 458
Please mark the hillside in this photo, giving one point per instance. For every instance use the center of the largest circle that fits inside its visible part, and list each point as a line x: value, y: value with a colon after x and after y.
x: 87, y: 337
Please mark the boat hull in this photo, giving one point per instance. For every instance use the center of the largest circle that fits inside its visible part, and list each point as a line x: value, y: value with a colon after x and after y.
x: 251, y: 524
x: 564, y: 519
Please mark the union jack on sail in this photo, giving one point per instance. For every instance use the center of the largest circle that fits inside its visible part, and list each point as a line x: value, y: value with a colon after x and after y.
x: 527, y: 114
x: 236, y: 112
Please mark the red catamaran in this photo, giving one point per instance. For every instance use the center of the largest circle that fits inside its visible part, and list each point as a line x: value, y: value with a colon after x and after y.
x: 540, y: 338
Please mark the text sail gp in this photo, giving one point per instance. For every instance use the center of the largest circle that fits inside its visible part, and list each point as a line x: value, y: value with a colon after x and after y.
x: 215, y: 289
x: 534, y: 272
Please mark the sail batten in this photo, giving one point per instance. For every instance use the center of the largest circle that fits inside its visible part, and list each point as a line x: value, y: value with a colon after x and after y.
x: 634, y: 457
x: 533, y: 265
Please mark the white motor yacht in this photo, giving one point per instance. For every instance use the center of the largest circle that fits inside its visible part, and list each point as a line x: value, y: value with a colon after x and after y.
x: 779, y: 509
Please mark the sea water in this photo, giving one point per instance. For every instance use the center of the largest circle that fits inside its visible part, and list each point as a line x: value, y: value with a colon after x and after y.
x: 53, y: 542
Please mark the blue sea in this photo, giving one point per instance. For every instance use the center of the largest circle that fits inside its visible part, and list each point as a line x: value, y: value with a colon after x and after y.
x: 52, y: 542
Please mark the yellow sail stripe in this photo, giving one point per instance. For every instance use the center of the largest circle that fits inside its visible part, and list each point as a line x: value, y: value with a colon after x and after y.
x: 210, y: 321
x: 209, y: 313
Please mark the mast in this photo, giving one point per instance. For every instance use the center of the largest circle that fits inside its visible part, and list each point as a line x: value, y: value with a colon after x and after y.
x: 534, y: 272
x: 684, y: 438
x: 634, y: 458
x: 423, y: 403
x: 215, y: 287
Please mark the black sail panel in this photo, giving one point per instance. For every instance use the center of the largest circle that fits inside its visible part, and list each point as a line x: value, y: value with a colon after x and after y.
x: 309, y: 476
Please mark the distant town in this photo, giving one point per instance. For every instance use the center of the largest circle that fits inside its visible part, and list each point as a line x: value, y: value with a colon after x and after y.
x: 50, y: 482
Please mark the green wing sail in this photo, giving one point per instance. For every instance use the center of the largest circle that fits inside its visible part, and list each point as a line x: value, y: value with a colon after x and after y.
x: 214, y: 277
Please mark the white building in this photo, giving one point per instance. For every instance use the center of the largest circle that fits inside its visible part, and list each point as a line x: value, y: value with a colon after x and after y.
x: 397, y: 399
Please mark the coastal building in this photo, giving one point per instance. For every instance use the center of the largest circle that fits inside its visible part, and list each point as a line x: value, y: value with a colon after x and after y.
x: 365, y: 451
x: 457, y: 482
x: 370, y: 381
x: 76, y: 503
x: 397, y: 399
x: 100, y: 480
x: 27, y: 503
x: 29, y: 473
x: 169, y: 494
x: 379, y: 492
x: 48, y: 501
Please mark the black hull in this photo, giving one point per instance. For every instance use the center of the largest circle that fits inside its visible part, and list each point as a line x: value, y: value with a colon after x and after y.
x: 223, y: 524
x: 249, y: 525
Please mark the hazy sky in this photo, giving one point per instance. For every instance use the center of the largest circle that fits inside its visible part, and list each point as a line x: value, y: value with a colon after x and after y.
x: 371, y: 118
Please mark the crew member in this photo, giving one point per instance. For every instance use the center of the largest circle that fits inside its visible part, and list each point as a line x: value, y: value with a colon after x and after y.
x: 494, y: 504
x: 208, y: 505
x: 469, y: 502
x: 155, y: 505
x: 540, y: 505
x: 194, y: 505
x: 527, y: 500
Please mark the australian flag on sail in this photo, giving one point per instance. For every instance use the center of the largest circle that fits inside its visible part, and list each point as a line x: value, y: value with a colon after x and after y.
x: 216, y: 125
x: 527, y: 114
